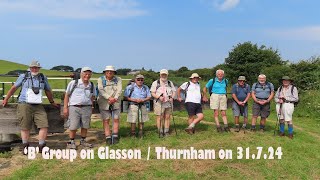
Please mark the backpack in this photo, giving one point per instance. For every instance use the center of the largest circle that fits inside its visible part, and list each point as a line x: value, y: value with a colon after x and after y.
x: 104, y: 83
x: 246, y: 88
x: 158, y: 84
x: 292, y: 87
x: 144, y: 87
x: 213, y: 79
x: 28, y: 75
x: 187, y: 86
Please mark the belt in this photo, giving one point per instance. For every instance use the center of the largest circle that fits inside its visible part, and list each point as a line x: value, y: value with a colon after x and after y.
x: 289, y: 101
x: 262, y: 98
x: 81, y: 106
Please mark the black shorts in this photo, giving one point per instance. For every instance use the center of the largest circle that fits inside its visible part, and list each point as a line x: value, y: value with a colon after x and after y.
x: 193, y: 108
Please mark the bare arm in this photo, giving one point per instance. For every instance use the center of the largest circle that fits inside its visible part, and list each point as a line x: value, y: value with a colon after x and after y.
x: 9, y: 94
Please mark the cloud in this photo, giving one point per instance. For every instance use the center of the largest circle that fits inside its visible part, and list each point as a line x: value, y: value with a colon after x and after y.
x: 226, y: 4
x: 74, y: 9
x: 308, y: 33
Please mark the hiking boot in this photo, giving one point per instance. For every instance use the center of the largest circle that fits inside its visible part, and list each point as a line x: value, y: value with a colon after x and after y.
x: 290, y: 136
x: 281, y: 134
x: 253, y: 129
x: 24, y: 148
x: 115, y: 140
x: 108, y: 141
x: 85, y: 144
x: 219, y: 130
x: 41, y: 146
x: 71, y: 145
x: 237, y: 129
x: 133, y: 134
x: 141, y: 134
x: 226, y: 129
x: 166, y: 134
x: 189, y: 130
x: 262, y: 130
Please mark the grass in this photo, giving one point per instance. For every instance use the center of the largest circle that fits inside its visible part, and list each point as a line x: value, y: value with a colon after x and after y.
x: 300, y: 160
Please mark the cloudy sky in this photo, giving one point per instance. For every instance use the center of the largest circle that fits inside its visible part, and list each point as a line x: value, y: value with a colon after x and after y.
x: 153, y: 34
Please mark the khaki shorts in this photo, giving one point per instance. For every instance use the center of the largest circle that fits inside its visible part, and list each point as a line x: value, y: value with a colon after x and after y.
x: 218, y: 101
x: 28, y: 113
x: 261, y: 110
x: 133, y: 114
x: 286, y: 111
x: 79, y: 117
x: 106, y: 114
x: 166, y: 108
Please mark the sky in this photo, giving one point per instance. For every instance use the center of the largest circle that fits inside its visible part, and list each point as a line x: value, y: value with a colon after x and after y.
x: 153, y: 34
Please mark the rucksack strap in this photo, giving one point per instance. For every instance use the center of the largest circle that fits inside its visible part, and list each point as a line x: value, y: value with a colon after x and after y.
x: 74, y: 87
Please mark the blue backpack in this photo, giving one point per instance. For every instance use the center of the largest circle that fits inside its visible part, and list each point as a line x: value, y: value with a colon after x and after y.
x: 104, y: 83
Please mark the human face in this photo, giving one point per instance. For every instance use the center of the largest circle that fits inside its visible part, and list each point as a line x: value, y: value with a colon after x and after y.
x: 163, y: 77
x: 139, y: 81
x: 285, y: 82
x: 34, y: 70
x: 262, y: 80
x: 220, y: 75
x: 85, y: 76
x: 195, y: 80
x: 241, y: 82
x: 109, y: 74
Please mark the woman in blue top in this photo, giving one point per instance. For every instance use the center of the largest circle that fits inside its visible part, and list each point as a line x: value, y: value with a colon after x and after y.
x: 218, y: 98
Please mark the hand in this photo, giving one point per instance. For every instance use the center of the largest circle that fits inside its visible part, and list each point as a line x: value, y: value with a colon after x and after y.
x: 280, y: 101
x: 66, y: 112
x: 161, y: 98
x: 171, y: 100
x: 241, y: 103
x: 204, y: 99
x: 179, y: 99
x: 4, y: 102
x: 55, y: 105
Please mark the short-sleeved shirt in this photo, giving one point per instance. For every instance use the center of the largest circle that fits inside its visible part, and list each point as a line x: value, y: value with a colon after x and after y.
x: 218, y: 87
x: 241, y: 91
x: 26, y: 83
x: 262, y: 91
x: 137, y: 93
x: 164, y: 88
x: 82, y: 94
x: 193, y: 92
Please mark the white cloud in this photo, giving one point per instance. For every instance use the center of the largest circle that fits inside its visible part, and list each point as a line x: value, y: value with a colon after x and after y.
x: 74, y: 9
x: 225, y: 5
x: 308, y: 33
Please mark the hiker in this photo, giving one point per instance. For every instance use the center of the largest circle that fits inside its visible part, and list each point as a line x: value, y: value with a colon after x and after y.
x: 193, y: 95
x: 240, y: 94
x: 262, y: 93
x: 138, y: 95
x: 285, y: 97
x: 163, y: 91
x: 217, y: 88
x: 110, y: 89
x: 30, y: 108
x: 78, y: 102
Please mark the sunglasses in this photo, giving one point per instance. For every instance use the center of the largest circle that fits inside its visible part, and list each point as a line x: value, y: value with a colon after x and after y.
x: 140, y: 80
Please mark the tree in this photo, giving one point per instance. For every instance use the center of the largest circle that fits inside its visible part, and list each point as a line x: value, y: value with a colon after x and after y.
x: 123, y: 71
x: 63, y: 68
x: 248, y: 59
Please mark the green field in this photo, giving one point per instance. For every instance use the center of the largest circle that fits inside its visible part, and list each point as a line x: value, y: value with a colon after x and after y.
x: 300, y: 156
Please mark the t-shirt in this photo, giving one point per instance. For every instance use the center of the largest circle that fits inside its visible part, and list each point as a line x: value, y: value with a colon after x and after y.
x: 241, y: 91
x: 219, y: 87
x: 81, y: 94
x: 137, y: 93
x: 193, y: 92
x: 262, y: 91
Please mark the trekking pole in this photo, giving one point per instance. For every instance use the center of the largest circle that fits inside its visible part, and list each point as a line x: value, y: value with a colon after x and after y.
x: 174, y: 124
x: 278, y: 120
x: 112, y: 116
x: 139, y: 113
x: 160, y: 115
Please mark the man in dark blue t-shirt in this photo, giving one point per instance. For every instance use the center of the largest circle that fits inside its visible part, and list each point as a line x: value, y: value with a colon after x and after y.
x: 240, y: 95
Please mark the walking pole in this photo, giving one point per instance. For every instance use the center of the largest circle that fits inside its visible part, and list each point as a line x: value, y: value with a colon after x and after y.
x: 278, y: 120
x: 139, y: 113
x: 160, y: 115
x: 174, y: 124
x: 112, y: 116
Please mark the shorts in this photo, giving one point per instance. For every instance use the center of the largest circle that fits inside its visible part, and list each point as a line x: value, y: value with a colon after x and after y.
x: 79, y: 117
x: 193, y: 108
x: 239, y: 110
x: 261, y: 110
x: 29, y: 113
x: 166, y: 108
x: 286, y: 111
x: 107, y: 114
x: 218, y: 101
x: 133, y: 114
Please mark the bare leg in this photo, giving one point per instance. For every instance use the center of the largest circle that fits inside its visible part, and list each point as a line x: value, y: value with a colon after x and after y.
x: 106, y: 127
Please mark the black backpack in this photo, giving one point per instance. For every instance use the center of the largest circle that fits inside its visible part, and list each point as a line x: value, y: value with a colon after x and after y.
x: 76, y: 84
x: 292, y: 87
x: 187, y: 86
x: 158, y: 84
x: 213, y: 79
x: 28, y: 75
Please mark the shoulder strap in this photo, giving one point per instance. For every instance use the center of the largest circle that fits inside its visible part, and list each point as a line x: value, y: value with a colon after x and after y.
x: 73, y: 87
x: 131, y: 90
x: 104, y: 81
x: 158, y: 84
x: 91, y: 89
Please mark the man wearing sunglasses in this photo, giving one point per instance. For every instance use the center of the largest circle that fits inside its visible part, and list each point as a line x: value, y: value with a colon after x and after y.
x: 137, y: 94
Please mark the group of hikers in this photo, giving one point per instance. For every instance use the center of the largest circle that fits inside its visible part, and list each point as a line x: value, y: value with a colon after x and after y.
x: 81, y: 94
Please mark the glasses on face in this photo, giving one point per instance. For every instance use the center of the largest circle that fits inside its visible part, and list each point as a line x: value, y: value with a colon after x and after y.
x: 109, y: 72
x: 241, y: 80
x: 87, y: 74
x: 140, y: 80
